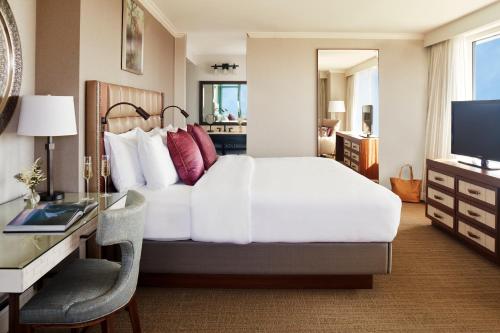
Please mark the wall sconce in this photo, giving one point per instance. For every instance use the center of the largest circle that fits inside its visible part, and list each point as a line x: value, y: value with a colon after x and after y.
x: 225, y: 67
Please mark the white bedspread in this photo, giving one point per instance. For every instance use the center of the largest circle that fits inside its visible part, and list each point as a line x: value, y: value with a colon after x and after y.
x: 242, y: 200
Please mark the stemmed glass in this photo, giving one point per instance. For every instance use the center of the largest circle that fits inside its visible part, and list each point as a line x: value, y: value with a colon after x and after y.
x: 87, y: 174
x: 105, y: 172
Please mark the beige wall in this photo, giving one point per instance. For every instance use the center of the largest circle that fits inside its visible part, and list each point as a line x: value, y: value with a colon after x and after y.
x: 57, y: 72
x: 81, y: 40
x: 282, y: 98
x: 16, y: 152
x: 201, y: 71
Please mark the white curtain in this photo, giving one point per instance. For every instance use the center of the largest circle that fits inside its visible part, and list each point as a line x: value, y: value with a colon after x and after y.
x: 447, y: 82
x: 349, y: 102
x: 322, y: 100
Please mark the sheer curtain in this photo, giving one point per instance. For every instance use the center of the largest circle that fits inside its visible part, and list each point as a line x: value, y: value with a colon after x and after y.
x: 322, y: 100
x: 447, y: 82
x: 349, y: 102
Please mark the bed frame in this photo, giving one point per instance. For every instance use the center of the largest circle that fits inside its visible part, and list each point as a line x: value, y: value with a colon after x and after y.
x: 200, y: 264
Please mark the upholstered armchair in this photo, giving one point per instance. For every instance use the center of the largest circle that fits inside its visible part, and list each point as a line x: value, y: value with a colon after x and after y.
x: 327, y: 142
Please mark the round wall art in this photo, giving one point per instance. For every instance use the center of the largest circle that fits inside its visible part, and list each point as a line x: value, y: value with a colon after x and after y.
x: 10, y: 64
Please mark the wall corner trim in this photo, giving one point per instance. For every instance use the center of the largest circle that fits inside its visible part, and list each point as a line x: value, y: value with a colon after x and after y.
x: 158, y: 14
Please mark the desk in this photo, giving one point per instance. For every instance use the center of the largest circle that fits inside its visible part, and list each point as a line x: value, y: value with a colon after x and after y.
x: 26, y: 258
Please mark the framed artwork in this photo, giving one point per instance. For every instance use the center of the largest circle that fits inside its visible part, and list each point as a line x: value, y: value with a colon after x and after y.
x: 11, y: 64
x: 132, y: 37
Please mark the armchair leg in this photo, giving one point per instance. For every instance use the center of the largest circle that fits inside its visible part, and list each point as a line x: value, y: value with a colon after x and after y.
x: 106, y: 325
x: 134, y: 315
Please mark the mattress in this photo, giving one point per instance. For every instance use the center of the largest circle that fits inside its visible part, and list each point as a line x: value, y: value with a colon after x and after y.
x: 297, y: 200
x: 168, y: 214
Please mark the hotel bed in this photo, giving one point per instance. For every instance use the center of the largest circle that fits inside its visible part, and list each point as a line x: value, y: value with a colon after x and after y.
x: 255, y: 222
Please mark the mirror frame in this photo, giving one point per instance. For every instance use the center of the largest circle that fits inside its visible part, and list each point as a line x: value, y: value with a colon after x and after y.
x: 200, y: 101
x: 13, y: 74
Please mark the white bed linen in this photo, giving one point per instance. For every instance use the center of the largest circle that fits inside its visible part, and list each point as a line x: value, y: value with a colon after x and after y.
x: 168, y: 215
x: 242, y: 200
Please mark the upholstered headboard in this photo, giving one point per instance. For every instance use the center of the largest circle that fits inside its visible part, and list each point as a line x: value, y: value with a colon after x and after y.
x: 99, y: 96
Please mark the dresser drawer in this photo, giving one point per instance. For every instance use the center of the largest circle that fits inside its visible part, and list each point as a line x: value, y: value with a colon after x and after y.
x: 347, y: 153
x: 355, y: 147
x: 440, y: 197
x: 477, y: 214
x: 347, y: 161
x: 476, y: 236
x: 347, y: 143
x: 441, y: 179
x: 440, y: 216
x: 355, y: 157
x: 354, y: 166
x: 477, y: 192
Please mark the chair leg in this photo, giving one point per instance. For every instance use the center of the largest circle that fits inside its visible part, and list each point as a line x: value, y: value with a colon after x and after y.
x: 134, y: 315
x: 106, y: 325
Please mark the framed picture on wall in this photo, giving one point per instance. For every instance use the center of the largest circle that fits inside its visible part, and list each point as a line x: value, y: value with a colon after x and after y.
x: 132, y: 37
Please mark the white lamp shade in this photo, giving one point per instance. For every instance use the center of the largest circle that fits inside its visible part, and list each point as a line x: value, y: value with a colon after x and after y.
x: 336, y: 106
x: 47, y: 116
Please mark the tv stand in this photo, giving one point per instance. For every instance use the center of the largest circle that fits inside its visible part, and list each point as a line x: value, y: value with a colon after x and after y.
x: 485, y: 164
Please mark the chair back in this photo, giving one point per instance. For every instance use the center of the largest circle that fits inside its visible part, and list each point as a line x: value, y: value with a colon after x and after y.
x: 125, y: 227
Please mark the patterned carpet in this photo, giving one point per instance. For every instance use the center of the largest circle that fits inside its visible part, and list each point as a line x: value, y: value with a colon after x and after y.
x: 437, y: 285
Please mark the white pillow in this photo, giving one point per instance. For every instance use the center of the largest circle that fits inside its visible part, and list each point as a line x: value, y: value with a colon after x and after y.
x: 126, y: 169
x: 156, y: 163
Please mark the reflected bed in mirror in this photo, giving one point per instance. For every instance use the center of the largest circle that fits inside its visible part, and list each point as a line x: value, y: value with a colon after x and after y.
x: 223, y: 102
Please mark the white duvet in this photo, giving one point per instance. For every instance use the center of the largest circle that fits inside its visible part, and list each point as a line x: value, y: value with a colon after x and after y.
x: 243, y: 199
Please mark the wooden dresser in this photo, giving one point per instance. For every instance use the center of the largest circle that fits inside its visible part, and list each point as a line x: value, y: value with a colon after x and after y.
x: 358, y: 153
x: 462, y: 200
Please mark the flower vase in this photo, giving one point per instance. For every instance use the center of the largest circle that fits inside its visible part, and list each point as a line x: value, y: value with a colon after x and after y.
x: 32, y: 198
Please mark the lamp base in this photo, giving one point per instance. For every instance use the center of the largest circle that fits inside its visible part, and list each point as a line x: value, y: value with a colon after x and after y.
x: 56, y: 196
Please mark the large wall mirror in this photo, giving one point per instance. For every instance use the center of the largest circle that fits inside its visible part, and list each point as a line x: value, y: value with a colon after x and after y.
x: 223, y: 102
x: 348, y: 107
x: 11, y: 65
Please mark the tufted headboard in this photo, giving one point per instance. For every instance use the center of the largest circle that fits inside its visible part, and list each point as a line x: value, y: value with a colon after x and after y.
x: 99, y: 96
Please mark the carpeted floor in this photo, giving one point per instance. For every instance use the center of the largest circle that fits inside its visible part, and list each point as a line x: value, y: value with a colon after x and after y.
x: 437, y: 285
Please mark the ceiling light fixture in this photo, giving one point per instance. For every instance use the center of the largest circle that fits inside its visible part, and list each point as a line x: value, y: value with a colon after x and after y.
x: 225, y: 66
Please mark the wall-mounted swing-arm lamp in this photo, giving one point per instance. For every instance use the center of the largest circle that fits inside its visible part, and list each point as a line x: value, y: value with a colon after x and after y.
x: 184, y: 113
x: 138, y: 109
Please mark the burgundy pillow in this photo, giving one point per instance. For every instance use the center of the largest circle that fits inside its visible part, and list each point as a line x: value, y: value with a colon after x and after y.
x: 186, y: 156
x: 205, y: 144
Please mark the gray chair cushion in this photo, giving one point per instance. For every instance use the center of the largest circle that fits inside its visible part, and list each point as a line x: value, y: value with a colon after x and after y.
x: 81, y: 281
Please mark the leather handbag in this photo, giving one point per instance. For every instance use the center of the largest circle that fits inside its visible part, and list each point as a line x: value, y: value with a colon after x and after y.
x: 407, y: 189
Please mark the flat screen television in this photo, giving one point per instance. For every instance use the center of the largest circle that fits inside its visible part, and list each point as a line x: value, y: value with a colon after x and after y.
x: 475, y: 130
x: 367, y: 119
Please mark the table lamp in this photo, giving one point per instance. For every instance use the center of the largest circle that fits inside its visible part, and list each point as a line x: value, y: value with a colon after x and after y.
x: 48, y: 116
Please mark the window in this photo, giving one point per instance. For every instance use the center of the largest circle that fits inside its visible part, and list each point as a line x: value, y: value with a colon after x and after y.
x: 486, y: 68
x: 365, y: 93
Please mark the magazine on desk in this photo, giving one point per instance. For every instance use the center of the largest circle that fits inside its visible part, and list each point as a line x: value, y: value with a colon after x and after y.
x: 50, y: 217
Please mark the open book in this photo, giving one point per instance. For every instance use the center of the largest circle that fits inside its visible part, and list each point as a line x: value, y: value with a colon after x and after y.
x: 50, y: 217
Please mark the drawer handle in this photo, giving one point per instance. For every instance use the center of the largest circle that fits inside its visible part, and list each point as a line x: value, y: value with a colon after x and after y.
x: 473, y: 213
x: 439, y: 179
x: 473, y: 192
x: 471, y: 235
x: 437, y: 197
x: 438, y: 216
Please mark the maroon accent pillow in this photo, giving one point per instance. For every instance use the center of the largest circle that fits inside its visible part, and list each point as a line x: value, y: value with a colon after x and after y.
x: 186, y: 156
x: 205, y: 144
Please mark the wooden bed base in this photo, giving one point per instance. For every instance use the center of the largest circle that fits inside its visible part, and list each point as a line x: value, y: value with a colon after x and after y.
x: 256, y: 281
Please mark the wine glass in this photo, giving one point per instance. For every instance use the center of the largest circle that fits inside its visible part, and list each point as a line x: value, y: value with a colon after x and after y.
x: 87, y: 174
x: 105, y: 172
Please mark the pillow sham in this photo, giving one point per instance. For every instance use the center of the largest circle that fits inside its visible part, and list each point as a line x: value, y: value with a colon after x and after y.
x: 126, y: 169
x: 156, y: 163
x: 186, y: 156
x: 205, y: 144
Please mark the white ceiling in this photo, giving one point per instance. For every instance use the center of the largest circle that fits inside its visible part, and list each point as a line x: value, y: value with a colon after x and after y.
x: 355, y: 16
x: 341, y: 60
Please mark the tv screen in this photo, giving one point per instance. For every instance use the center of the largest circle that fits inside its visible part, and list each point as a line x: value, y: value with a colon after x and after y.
x: 475, y: 129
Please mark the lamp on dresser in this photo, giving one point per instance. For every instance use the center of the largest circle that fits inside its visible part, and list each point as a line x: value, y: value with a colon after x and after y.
x: 48, y: 116
x: 336, y: 107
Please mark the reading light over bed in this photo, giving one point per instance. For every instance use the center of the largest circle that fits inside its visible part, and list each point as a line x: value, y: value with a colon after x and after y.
x: 184, y: 113
x: 138, y: 109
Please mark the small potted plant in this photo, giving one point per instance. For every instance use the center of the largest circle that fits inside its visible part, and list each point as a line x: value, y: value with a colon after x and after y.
x: 31, y: 178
